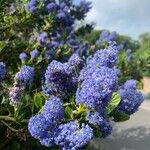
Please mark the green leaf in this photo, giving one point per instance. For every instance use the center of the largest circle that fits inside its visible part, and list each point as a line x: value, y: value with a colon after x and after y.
x: 115, y: 100
x: 68, y: 111
x: 120, y: 117
x: 38, y: 100
x: 2, y: 45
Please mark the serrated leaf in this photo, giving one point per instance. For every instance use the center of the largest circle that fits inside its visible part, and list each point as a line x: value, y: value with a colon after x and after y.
x: 115, y: 100
x: 120, y: 117
x: 38, y: 100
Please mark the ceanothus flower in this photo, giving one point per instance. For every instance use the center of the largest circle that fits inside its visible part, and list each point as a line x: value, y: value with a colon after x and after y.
x: 53, y: 109
x: 95, y: 91
x: 43, y: 38
x: 55, y: 72
x: 102, y: 37
x: 49, y: 54
x: 25, y: 76
x: 82, y: 9
x: 63, y: 131
x: 79, y: 138
x: 23, y: 56
x: 34, y: 54
x: 99, y: 119
x: 31, y: 6
x: 130, y: 101
x: 15, y: 95
x: 112, y: 36
x: 104, y: 57
x: 131, y: 98
x: 129, y: 84
x: 76, y: 61
x: 38, y: 126
x: 58, y: 80
x: 2, y: 71
x: 49, y: 138
x: 51, y: 7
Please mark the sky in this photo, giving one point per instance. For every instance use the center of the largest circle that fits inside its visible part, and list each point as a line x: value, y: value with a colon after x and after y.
x: 127, y: 17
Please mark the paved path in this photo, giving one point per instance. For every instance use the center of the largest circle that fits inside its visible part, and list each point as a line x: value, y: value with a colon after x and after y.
x: 130, y: 135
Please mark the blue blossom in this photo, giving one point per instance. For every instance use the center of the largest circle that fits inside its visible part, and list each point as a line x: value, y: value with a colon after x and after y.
x: 15, y: 95
x: 104, y: 57
x: 63, y: 131
x: 48, y: 139
x: 23, y: 56
x: 106, y: 129
x: 51, y: 7
x: 95, y: 118
x: 131, y: 98
x: 55, y: 89
x: 64, y: 7
x: 55, y: 72
x: 31, y: 6
x: 43, y: 38
x: 112, y: 36
x: 104, y: 34
x: 95, y: 91
x: 129, y: 84
x: 34, y: 54
x: 38, y: 126
x: 99, y: 119
x: 130, y: 101
x: 53, y: 109
x: 82, y: 9
x: 49, y: 54
x: 79, y: 138
x: 61, y: 16
x: 2, y: 71
x: 25, y: 76
x: 76, y: 61
x: 58, y: 81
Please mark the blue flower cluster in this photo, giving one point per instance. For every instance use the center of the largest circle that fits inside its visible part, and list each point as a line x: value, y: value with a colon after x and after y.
x: 65, y: 13
x: 23, y: 56
x: 34, y: 54
x: 131, y: 98
x: 2, y: 71
x: 99, y: 79
x: 42, y: 125
x: 22, y: 79
x: 53, y: 109
x: 72, y: 137
x: 106, y: 36
x: 68, y: 136
x: 31, y: 6
x: 95, y: 91
x: 15, y: 95
x: 61, y: 79
x: 100, y: 120
x: 25, y: 76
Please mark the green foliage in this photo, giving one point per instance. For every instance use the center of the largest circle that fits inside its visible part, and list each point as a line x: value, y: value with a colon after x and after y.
x: 120, y: 117
x: 38, y: 100
x: 92, y: 37
x: 115, y: 100
x: 142, y: 55
x: 130, y: 69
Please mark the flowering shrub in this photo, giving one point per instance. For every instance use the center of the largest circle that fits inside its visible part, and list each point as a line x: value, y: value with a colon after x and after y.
x: 65, y: 92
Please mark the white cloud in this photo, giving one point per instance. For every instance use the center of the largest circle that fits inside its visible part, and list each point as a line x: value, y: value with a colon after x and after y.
x: 130, y: 17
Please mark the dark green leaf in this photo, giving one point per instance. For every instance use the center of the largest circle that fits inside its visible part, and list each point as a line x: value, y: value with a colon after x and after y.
x: 120, y: 117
